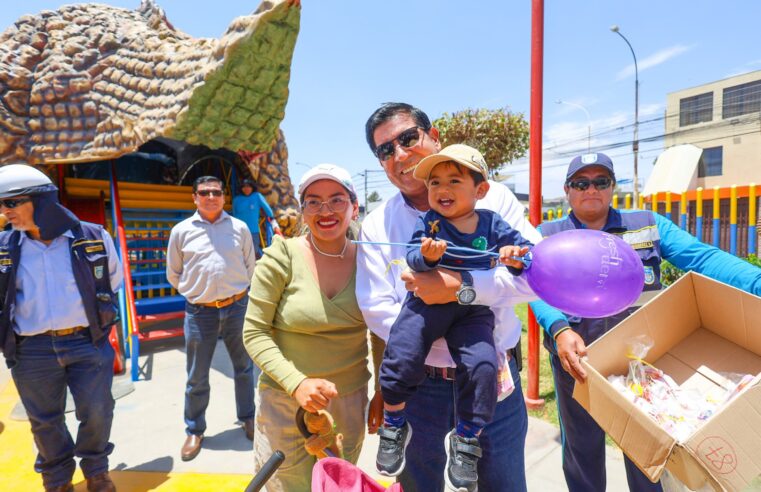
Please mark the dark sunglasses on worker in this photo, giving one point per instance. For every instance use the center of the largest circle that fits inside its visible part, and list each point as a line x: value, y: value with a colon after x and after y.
x: 14, y: 202
x: 209, y: 192
x: 408, y: 138
x: 581, y: 184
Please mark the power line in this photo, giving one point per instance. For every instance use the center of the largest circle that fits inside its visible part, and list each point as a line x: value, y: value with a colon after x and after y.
x: 622, y: 144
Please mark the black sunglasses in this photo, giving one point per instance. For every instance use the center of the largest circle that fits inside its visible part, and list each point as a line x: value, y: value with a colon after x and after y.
x: 14, y: 202
x: 209, y: 192
x: 408, y: 138
x: 581, y: 184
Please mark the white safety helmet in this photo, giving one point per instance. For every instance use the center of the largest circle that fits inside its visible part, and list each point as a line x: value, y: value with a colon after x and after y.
x: 21, y: 179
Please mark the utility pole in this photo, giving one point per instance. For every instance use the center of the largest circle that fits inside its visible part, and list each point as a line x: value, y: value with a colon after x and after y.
x: 364, y: 174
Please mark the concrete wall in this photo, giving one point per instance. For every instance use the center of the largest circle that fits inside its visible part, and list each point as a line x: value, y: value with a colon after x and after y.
x: 740, y: 137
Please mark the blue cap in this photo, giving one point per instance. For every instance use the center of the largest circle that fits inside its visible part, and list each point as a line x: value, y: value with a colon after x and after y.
x: 585, y: 160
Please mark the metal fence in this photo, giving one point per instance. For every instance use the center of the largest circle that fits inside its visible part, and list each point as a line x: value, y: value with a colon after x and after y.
x: 728, y: 218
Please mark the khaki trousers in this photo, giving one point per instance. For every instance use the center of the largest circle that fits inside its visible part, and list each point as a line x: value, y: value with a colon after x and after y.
x: 276, y: 429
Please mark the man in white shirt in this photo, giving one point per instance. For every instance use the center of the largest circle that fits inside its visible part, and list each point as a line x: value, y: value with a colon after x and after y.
x: 210, y: 260
x: 400, y: 136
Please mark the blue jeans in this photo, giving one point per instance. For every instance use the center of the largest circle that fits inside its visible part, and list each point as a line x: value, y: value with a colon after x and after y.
x: 431, y: 413
x: 584, y: 443
x: 45, y: 367
x: 202, y: 327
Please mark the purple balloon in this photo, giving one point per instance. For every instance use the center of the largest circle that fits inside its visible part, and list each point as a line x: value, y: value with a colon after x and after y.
x: 586, y: 273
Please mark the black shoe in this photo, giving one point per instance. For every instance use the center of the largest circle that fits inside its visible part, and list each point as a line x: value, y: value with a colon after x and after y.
x: 393, y: 443
x: 461, y: 474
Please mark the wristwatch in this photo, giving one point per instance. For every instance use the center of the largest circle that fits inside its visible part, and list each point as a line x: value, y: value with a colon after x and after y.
x: 466, y: 294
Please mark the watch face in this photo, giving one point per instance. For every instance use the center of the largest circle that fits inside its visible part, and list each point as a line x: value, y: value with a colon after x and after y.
x: 466, y: 295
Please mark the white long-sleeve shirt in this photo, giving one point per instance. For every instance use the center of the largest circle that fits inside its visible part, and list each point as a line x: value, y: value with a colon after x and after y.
x: 207, y: 262
x: 381, y: 292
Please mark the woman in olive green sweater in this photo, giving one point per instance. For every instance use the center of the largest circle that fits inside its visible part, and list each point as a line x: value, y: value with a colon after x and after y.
x: 305, y: 331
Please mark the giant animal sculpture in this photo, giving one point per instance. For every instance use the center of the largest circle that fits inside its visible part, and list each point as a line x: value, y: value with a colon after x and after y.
x: 92, y: 82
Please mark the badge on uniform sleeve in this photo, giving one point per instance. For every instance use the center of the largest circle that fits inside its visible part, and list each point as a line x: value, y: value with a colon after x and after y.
x: 98, y: 272
x: 649, y: 275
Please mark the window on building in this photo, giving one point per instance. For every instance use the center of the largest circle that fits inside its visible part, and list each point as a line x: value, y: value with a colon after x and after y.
x: 742, y: 99
x: 710, y: 162
x: 696, y: 109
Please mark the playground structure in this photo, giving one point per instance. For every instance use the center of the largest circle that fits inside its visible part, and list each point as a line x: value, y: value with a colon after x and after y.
x: 105, y: 87
x: 141, y: 215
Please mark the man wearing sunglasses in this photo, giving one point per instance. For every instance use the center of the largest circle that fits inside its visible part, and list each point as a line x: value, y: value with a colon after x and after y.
x: 58, y: 278
x: 400, y: 136
x: 210, y: 260
x: 589, y: 188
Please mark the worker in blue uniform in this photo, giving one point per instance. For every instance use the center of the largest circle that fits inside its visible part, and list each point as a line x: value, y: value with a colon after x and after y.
x: 589, y: 187
x: 247, y: 207
x: 58, y: 278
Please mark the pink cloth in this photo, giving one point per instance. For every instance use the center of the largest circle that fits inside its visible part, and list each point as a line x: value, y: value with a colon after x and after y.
x: 337, y: 475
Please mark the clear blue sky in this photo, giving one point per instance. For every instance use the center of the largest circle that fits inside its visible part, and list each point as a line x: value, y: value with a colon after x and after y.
x: 448, y: 55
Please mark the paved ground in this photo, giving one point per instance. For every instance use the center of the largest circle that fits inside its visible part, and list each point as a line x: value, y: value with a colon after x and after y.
x: 148, y: 433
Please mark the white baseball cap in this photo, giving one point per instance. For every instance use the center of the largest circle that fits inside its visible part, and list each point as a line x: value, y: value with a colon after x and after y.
x: 327, y: 171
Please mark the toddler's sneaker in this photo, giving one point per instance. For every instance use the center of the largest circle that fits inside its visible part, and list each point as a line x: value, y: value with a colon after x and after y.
x: 393, y: 443
x: 461, y: 474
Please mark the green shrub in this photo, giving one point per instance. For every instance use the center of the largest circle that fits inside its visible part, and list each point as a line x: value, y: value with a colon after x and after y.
x: 670, y: 273
x: 754, y: 260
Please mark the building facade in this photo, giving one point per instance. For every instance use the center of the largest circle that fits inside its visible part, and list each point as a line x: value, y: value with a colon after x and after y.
x: 724, y: 119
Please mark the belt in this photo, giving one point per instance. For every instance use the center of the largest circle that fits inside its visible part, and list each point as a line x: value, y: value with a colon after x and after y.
x: 445, y: 373
x: 448, y: 373
x: 63, y: 332
x: 223, y: 302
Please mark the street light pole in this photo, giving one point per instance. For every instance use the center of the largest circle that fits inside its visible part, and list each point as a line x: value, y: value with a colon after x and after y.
x: 635, y: 143
x: 589, y: 121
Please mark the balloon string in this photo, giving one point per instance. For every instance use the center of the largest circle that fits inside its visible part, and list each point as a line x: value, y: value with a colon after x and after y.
x: 526, y: 261
x: 453, y: 248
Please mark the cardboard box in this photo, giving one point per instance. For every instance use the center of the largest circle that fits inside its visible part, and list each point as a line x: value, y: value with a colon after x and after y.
x: 701, y: 329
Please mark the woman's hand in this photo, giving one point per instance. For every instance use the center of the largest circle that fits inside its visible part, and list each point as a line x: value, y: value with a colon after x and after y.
x: 375, y: 413
x: 314, y: 394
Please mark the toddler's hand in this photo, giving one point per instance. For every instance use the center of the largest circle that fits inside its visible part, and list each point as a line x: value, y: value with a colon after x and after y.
x: 432, y: 250
x: 506, y: 254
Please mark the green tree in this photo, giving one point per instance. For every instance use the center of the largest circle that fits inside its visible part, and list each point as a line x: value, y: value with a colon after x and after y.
x: 373, y: 197
x: 499, y: 134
